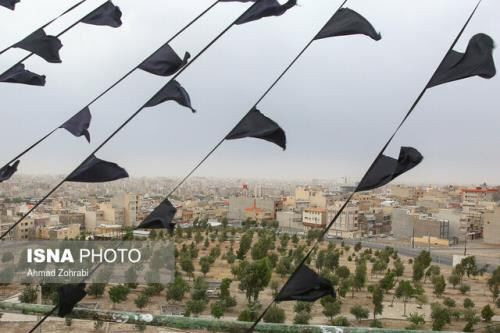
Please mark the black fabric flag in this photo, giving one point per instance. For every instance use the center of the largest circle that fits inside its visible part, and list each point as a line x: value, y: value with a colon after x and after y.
x: 7, y: 171
x: 78, y: 125
x: 172, y: 91
x: 18, y: 74
x: 11, y: 4
x: 95, y: 170
x: 256, y: 125
x: 385, y: 169
x: 68, y: 296
x: 477, y: 60
x: 306, y: 286
x: 265, y: 8
x: 347, y: 22
x: 106, y: 14
x: 43, y: 45
x: 161, y: 217
x: 164, y: 62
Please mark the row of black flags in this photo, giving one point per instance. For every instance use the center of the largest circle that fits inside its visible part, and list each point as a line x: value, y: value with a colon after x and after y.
x: 304, y: 284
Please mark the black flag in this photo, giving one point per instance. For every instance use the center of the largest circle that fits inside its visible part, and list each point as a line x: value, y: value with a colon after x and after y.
x: 265, y: 8
x: 164, y: 62
x: 68, y: 296
x: 172, y: 91
x: 256, y: 125
x: 7, y: 171
x: 347, y: 22
x: 78, y: 125
x: 385, y: 169
x: 18, y: 74
x: 161, y: 217
x: 11, y: 4
x: 95, y: 170
x: 43, y: 45
x: 306, y: 286
x: 106, y: 14
x: 477, y: 60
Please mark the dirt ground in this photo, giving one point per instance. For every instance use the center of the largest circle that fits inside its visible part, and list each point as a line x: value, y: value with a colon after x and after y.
x: 392, y: 317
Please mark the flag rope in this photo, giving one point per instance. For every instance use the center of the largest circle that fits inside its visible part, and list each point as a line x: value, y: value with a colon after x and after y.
x: 50, y: 22
x: 339, y: 212
x: 117, y: 82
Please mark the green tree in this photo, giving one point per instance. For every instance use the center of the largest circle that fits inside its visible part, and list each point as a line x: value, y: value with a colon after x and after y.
x: 439, y: 285
x: 405, y: 291
x: 494, y: 283
x: 471, y: 319
x: 468, y: 303
x: 487, y: 313
x: 420, y: 264
x: 359, y: 312
x: 200, y: 287
x: 388, y: 281
x: 464, y: 289
x: 416, y: 320
x: 28, y: 295
x: 275, y: 314
x: 255, y: 277
x: 217, y: 309
x: 331, y: 306
x: 196, y: 306
x: 377, y: 300
x: 360, y: 275
x: 118, y: 294
x: 177, y: 289
x: 141, y: 301
x: 205, y: 265
x: 302, y: 318
x: 187, y: 265
x: 440, y: 316
x: 449, y: 302
x: 399, y: 267
x: 340, y: 321
x: 454, y: 280
x: 96, y: 289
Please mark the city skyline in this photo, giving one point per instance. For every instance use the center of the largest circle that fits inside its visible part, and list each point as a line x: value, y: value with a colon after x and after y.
x: 338, y: 135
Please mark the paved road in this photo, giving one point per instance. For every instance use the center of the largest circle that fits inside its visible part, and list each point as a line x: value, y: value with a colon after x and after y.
x: 437, y: 254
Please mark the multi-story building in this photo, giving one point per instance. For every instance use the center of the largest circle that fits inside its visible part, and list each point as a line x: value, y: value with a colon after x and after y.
x: 290, y: 221
x: 347, y: 224
x: 59, y: 232
x: 314, y: 218
x: 492, y: 226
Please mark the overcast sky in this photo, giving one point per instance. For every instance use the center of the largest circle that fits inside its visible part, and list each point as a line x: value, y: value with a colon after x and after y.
x: 338, y: 104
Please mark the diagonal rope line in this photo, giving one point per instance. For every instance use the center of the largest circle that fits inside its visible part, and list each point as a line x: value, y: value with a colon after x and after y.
x: 127, y: 121
x: 50, y: 22
x: 255, y: 105
x: 339, y: 212
x: 119, y: 81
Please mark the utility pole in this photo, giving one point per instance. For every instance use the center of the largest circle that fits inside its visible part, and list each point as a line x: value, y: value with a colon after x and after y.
x: 413, y: 238
x: 465, y: 244
x: 429, y: 242
x: 39, y: 301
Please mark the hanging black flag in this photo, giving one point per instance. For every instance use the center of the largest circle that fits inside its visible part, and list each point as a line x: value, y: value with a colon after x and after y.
x: 43, y: 45
x: 256, y: 125
x: 18, y: 74
x: 78, y: 125
x: 385, y: 169
x: 11, y: 4
x: 172, y: 91
x: 265, y: 8
x: 161, y: 217
x: 477, y: 60
x: 164, y: 62
x: 306, y: 286
x: 95, y: 170
x: 347, y: 22
x: 106, y: 14
x: 68, y: 296
x: 7, y: 171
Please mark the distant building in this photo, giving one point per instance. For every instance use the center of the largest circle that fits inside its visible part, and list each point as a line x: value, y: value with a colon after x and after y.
x: 290, y: 221
x: 492, y: 227
x: 59, y: 232
x: 240, y: 208
x: 347, y: 224
x: 314, y: 218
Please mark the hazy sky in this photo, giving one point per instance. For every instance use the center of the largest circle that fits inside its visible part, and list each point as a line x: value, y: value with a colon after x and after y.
x: 338, y: 104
